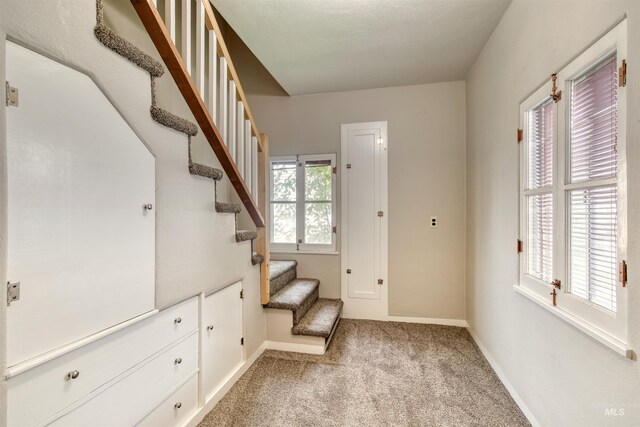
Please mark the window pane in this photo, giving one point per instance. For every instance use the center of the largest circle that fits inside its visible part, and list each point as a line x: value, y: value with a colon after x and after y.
x: 317, y: 223
x: 593, y: 123
x: 593, y: 245
x: 540, y: 237
x: 284, y: 222
x: 318, y: 176
x: 283, y: 180
x: 540, y: 143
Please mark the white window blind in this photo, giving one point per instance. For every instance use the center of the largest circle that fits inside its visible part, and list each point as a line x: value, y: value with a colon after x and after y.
x: 593, y: 164
x: 540, y: 131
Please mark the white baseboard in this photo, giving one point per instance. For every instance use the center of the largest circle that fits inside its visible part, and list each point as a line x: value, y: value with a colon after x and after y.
x: 430, y: 321
x: 296, y: 348
x: 501, y: 375
x: 222, y: 391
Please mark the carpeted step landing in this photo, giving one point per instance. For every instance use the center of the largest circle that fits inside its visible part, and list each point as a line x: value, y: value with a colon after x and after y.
x: 281, y: 273
x: 257, y: 259
x: 320, y: 319
x: 228, y: 207
x: 298, y: 296
x: 244, y: 235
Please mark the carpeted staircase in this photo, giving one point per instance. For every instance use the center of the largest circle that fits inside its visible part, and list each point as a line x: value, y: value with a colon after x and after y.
x: 119, y: 45
x: 312, y: 315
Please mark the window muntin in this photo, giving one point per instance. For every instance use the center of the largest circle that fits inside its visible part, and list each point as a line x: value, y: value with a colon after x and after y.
x: 307, y: 189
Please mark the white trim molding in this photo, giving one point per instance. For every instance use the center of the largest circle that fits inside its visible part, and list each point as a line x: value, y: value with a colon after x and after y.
x: 503, y: 378
x: 430, y: 321
x: 295, y: 347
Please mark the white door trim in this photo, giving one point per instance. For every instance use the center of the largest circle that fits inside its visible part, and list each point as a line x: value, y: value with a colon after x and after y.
x: 360, y: 312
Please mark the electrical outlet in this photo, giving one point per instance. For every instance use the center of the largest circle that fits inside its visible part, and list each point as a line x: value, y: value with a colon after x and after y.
x: 433, y: 222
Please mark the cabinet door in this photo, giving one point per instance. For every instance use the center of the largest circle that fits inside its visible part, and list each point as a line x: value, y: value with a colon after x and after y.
x: 81, y: 243
x: 222, y: 352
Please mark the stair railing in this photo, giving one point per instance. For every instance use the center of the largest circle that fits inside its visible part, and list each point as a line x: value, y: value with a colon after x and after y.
x: 205, y: 75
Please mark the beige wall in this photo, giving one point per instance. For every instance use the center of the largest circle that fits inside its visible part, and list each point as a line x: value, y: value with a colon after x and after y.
x: 564, y: 377
x: 426, y: 177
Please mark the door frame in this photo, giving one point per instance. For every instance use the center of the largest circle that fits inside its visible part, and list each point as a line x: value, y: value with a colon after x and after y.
x: 350, y: 310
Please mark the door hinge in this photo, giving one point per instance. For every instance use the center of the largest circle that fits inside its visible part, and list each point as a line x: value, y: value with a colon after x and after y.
x: 520, y: 135
x: 622, y: 74
x: 348, y: 165
x: 13, y: 292
x: 242, y: 294
x: 380, y: 281
x: 380, y: 213
x: 242, y: 341
x: 11, y: 95
x: 348, y: 271
x: 334, y: 229
x: 519, y: 246
x: 623, y: 273
x: 334, y: 169
x: 556, y: 94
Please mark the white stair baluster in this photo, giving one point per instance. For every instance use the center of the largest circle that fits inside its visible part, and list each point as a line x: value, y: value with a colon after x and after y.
x: 186, y: 34
x: 231, y: 122
x: 213, y: 76
x: 240, y: 139
x: 247, y: 154
x: 170, y: 18
x: 200, y: 46
x: 254, y: 167
x: 222, y: 100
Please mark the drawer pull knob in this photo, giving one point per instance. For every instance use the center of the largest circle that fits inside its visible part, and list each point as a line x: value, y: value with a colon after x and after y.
x: 178, y: 405
x: 177, y: 320
x: 210, y: 328
x: 178, y: 361
x: 73, y: 375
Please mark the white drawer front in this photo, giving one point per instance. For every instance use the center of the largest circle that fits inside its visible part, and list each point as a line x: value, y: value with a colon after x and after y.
x: 176, y: 409
x: 37, y: 394
x: 129, y: 400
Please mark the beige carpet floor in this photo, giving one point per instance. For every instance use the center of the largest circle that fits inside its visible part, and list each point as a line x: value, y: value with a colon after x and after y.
x: 373, y: 374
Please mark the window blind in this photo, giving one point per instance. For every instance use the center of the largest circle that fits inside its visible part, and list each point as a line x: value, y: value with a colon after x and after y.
x: 540, y: 205
x: 593, y: 209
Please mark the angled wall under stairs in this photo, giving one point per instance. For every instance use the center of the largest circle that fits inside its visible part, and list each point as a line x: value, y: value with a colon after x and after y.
x: 297, y: 318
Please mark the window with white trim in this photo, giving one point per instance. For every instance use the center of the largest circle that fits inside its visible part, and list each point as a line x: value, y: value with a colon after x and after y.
x: 302, y: 198
x: 573, y: 192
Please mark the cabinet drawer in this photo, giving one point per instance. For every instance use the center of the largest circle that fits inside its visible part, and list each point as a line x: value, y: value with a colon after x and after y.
x: 129, y: 400
x: 176, y: 409
x: 39, y: 393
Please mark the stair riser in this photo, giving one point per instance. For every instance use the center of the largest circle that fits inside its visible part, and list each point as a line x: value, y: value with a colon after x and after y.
x: 305, y: 306
x: 281, y: 281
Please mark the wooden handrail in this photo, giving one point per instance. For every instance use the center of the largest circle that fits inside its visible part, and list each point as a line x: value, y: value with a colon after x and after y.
x: 156, y: 29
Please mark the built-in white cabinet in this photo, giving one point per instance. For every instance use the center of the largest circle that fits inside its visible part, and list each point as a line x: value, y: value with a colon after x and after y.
x: 221, y: 330
x: 81, y: 217
x: 177, y: 408
x: 139, y: 365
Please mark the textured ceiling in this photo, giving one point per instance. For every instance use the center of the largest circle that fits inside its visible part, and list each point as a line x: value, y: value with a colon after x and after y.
x: 313, y: 46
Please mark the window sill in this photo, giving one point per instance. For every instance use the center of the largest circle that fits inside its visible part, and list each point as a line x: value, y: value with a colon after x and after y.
x: 602, y: 337
x: 291, y: 252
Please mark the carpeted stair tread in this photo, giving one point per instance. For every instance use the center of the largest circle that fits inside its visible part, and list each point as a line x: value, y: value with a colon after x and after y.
x: 320, y: 318
x: 277, y: 267
x: 244, y: 235
x: 228, y: 207
x: 122, y: 47
x: 280, y: 274
x: 205, y: 171
x: 298, y: 296
x: 257, y: 259
x: 172, y: 121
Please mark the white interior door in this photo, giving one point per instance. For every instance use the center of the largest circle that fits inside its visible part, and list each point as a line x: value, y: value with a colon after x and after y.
x: 81, y: 243
x: 364, y: 220
x: 222, y: 352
